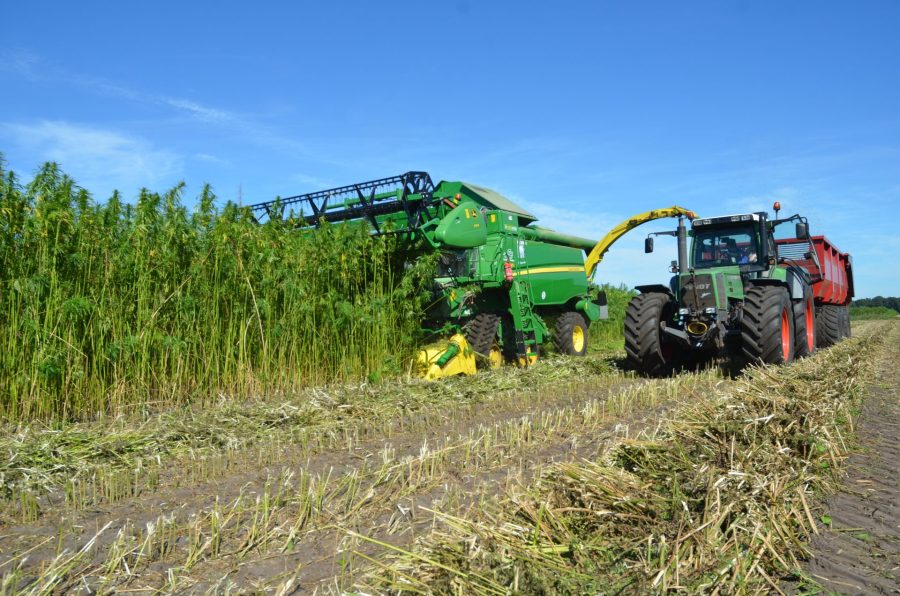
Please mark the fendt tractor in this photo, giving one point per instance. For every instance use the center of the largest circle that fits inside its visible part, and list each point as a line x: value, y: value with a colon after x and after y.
x: 751, y: 288
x: 504, y: 286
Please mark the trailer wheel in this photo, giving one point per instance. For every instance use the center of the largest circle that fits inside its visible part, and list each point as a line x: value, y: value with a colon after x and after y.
x: 644, y: 344
x: 481, y: 333
x: 804, y: 325
x: 829, y: 327
x: 767, y: 326
x: 845, y: 313
x: 571, y: 334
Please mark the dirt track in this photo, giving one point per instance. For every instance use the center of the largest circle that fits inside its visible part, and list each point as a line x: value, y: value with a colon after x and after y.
x: 859, y: 550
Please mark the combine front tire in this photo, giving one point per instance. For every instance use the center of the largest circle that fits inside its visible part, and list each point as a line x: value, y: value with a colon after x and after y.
x: 804, y: 326
x: 767, y: 325
x: 829, y: 325
x: 643, y: 335
x: 481, y: 333
x: 571, y: 334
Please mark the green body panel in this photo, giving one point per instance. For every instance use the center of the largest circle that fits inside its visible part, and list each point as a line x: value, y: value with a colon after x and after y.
x: 779, y: 273
x: 725, y: 284
x: 463, y: 227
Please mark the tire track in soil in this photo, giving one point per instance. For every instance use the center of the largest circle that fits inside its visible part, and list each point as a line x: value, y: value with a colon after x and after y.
x: 860, y: 552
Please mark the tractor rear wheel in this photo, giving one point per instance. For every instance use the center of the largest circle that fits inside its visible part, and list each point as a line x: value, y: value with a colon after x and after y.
x: 644, y: 344
x: 767, y: 325
x: 481, y: 333
x: 571, y: 334
x: 829, y: 328
x: 804, y: 325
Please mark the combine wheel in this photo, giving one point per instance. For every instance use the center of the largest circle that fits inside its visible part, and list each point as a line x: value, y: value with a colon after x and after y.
x: 804, y: 325
x: 481, y: 333
x: 571, y: 334
x: 767, y: 326
x: 829, y: 329
x: 644, y: 344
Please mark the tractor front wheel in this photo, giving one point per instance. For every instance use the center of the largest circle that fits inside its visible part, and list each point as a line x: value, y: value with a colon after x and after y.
x: 644, y: 344
x: 571, y: 334
x: 767, y: 325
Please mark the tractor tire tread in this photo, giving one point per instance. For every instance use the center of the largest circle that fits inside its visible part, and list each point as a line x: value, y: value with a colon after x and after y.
x: 642, y: 332
x: 801, y: 347
x: 761, y: 324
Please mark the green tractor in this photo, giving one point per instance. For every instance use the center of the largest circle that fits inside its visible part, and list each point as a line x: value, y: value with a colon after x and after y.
x: 756, y: 289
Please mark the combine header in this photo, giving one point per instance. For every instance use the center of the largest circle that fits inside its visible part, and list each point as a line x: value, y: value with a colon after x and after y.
x: 504, y: 286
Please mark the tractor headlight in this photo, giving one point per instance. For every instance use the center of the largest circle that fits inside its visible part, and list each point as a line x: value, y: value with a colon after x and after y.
x: 710, y: 310
x: 684, y: 311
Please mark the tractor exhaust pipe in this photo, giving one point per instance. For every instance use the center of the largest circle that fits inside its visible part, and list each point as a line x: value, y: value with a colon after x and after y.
x: 682, y: 246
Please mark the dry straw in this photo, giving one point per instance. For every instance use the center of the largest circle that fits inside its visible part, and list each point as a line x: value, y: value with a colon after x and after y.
x: 720, y: 499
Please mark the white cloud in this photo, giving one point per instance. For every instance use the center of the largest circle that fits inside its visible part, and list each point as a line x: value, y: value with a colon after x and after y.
x: 100, y: 160
x: 30, y: 65
x: 195, y: 109
x: 211, y: 159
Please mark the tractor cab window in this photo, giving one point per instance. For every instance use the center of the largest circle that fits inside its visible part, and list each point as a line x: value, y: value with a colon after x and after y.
x: 715, y: 247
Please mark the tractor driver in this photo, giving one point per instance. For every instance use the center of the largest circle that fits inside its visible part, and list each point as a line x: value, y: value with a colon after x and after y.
x: 731, y: 251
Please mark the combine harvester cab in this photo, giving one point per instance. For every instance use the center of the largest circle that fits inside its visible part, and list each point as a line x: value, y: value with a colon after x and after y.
x: 753, y: 288
x: 504, y: 286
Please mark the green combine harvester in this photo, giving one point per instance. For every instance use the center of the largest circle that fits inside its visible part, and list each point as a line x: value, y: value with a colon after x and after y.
x: 504, y: 286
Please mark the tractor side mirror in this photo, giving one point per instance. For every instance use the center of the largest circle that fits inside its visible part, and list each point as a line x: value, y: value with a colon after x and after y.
x: 648, y: 245
x: 801, y: 231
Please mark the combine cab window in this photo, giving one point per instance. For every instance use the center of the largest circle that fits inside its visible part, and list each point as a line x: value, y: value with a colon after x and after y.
x: 716, y: 247
x: 458, y: 263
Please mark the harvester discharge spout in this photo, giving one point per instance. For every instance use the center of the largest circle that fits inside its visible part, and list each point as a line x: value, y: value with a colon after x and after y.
x: 599, y: 250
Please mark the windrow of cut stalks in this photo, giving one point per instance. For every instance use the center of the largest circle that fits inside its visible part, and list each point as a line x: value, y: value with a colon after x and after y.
x: 111, y: 308
x: 720, y: 499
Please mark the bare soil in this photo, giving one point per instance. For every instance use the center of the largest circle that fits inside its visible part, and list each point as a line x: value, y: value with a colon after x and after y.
x: 858, y: 548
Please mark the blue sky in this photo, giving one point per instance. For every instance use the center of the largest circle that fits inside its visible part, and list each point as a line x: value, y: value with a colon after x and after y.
x: 585, y: 112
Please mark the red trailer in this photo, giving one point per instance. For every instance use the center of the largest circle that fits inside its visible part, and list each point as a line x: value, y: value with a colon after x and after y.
x: 831, y: 277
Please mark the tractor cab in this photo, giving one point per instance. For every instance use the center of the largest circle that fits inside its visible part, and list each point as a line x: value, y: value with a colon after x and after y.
x: 731, y: 240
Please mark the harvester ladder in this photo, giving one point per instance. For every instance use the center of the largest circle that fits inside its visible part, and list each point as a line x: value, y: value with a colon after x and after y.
x: 520, y: 296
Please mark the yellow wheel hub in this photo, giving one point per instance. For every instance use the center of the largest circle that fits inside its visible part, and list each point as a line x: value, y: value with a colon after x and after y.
x: 577, y: 338
x: 495, y: 357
